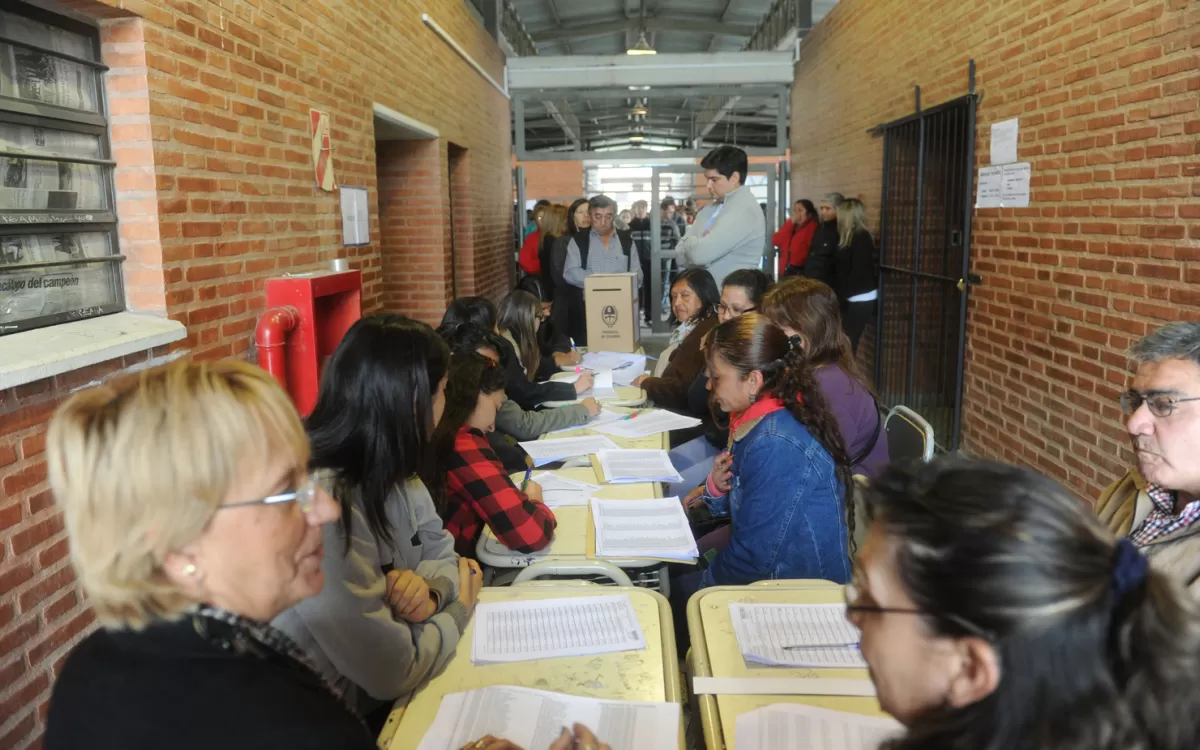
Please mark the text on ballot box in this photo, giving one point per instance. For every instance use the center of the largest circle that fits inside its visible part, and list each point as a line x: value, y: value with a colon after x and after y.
x: 612, y: 312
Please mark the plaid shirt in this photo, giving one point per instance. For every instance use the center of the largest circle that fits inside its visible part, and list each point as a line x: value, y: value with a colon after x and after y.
x: 478, y: 491
x: 1163, y: 519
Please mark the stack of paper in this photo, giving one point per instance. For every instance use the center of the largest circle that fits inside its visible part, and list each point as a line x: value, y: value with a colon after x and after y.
x: 559, y: 491
x: 648, y: 423
x: 548, y: 451
x: 627, y: 466
x: 546, y: 628
x: 796, y: 635
x: 604, y: 417
x: 655, y: 528
x: 602, y: 385
x: 534, y: 718
x: 792, y: 726
x: 613, y: 361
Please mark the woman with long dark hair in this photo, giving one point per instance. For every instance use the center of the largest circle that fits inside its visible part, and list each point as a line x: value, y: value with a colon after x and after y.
x: 807, y: 308
x: 466, y: 476
x: 794, y: 238
x: 694, y: 300
x: 553, y: 343
x: 790, y: 516
x: 998, y: 613
x: 569, y: 313
x: 396, y: 598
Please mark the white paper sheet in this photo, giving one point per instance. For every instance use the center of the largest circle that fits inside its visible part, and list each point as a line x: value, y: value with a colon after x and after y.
x: 604, y: 417
x: 1014, y: 191
x: 991, y: 181
x: 626, y: 466
x: 602, y: 385
x: 764, y: 630
x: 643, y: 528
x: 1004, y: 141
x: 356, y: 217
x: 548, y: 451
x: 533, y: 719
x: 648, y: 423
x: 547, y: 628
x: 559, y: 491
x: 792, y: 726
x: 613, y: 361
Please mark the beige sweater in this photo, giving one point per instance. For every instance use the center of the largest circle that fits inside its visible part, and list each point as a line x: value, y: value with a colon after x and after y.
x: 1124, y: 505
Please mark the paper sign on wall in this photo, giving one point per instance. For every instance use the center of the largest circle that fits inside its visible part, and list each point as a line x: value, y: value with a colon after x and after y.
x: 1004, y: 141
x: 1005, y: 186
x: 356, y: 221
x: 322, y: 149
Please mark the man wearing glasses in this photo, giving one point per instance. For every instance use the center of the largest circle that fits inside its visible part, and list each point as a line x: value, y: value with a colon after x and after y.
x: 1157, y: 505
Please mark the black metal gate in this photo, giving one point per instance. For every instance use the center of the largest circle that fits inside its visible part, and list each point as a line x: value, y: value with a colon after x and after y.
x: 928, y: 171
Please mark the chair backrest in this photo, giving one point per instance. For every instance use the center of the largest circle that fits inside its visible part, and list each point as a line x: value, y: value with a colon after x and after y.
x: 909, y: 435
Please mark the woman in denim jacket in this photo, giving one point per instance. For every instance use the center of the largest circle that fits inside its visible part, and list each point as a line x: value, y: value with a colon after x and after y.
x: 787, y: 498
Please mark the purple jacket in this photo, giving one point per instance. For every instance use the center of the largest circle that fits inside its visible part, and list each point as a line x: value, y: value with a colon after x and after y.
x: 856, y: 415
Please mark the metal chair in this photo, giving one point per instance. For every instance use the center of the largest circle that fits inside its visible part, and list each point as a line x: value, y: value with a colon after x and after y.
x: 582, y: 568
x: 909, y: 435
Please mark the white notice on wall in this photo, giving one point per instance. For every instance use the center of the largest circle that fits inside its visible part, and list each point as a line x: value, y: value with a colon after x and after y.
x: 1014, y: 192
x: 356, y: 220
x: 1004, y: 141
x: 990, y: 181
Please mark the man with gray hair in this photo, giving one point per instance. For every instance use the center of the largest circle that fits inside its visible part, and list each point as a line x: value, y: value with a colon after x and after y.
x: 1157, y: 505
x: 819, y: 265
x: 600, y: 249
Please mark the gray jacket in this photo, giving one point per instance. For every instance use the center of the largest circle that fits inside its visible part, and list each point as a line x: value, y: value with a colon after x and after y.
x: 733, y: 240
x: 348, y: 629
x: 512, y: 420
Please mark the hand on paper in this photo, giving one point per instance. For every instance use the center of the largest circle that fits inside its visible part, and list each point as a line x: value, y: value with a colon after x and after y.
x: 640, y: 379
x: 470, y: 580
x: 566, y: 359
x: 722, y: 470
x: 694, y: 498
x: 408, y: 595
x: 490, y: 743
x: 581, y: 738
x: 533, y: 491
x: 592, y: 406
x: 585, y: 381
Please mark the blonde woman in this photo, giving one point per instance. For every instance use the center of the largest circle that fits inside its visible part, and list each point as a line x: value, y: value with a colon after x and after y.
x: 193, y: 521
x: 855, y: 277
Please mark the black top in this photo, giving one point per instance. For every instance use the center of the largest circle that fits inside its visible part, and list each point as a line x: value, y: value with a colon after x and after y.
x: 529, y: 395
x: 819, y: 264
x: 854, y: 267
x: 169, y: 687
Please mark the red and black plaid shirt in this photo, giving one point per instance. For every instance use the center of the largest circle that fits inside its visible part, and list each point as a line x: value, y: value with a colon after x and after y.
x: 478, y: 491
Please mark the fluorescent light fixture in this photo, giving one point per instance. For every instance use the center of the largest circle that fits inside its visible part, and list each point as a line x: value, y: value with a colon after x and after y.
x: 639, y: 110
x: 642, y: 47
x: 637, y: 137
x: 639, y: 88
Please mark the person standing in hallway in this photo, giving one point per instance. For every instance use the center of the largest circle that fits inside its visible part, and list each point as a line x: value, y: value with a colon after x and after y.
x: 528, y: 259
x: 731, y: 235
x: 855, y: 279
x: 819, y: 264
x: 795, y: 237
x: 567, y: 315
x: 599, y: 250
x: 639, y: 229
x: 1157, y: 503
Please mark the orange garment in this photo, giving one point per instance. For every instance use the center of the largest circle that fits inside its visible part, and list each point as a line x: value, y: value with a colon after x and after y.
x: 793, y: 243
x: 528, y: 258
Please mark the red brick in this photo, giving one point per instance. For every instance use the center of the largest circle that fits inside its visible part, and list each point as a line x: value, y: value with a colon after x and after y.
x: 62, y: 636
x: 8, y: 454
x: 14, y: 577
x: 34, y: 535
x: 30, y: 476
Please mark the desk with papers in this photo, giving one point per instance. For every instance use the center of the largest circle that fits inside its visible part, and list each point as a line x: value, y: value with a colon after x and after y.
x: 645, y: 675
x: 716, y: 653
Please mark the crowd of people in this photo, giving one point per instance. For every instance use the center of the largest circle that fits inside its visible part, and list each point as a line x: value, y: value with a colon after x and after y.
x: 263, y: 581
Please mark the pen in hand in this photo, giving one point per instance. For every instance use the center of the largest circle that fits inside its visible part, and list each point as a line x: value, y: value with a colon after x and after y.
x: 528, y: 473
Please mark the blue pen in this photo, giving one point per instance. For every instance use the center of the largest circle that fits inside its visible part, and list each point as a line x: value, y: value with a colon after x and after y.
x: 573, y: 346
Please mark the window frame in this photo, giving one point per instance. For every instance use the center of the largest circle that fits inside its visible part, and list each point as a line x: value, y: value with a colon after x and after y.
x: 22, y: 112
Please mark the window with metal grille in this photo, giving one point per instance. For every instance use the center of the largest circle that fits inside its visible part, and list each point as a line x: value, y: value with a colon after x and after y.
x: 59, y: 257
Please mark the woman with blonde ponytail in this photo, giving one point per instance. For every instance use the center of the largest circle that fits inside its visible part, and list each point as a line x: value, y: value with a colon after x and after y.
x: 997, y: 613
x: 789, y: 476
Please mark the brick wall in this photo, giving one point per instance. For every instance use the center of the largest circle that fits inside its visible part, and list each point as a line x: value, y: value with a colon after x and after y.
x: 1108, y: 95
x: 209, y: 104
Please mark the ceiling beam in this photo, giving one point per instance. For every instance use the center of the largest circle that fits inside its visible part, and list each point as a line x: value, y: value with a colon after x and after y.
x: 712, y: 43
x: 668, y: 92
x: 652, y: 23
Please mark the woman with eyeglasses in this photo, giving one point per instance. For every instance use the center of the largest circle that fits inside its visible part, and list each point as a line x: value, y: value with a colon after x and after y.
x: 397, y: 597
x: 997, y: 613
x: 193, y: 522
x: 694, y: 299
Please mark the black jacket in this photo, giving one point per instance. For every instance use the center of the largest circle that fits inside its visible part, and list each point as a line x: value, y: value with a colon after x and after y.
x: 517, y: 385
x: 819, y: 264
x: 168, y: 687
x: 854, y: 267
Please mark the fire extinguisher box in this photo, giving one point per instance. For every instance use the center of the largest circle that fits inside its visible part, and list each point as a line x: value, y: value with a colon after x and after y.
x: 328, y: 304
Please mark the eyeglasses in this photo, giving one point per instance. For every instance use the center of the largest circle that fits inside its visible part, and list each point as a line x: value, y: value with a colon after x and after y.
x: 852, y: 606
x: 725, y: 309
x: 1159, y: 404
x: 303, y: 495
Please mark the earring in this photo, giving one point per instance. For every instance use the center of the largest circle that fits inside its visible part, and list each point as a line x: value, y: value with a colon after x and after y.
x: 189, y: 570
x: 754, y: 398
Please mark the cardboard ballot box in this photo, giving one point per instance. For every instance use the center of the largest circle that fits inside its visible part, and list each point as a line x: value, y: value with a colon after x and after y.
x: 611, y: 300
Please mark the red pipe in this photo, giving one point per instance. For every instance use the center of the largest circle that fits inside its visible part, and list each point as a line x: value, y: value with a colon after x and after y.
x: 271, y: 338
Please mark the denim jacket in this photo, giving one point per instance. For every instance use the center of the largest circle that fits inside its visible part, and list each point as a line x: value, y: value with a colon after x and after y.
x: 786, y: 508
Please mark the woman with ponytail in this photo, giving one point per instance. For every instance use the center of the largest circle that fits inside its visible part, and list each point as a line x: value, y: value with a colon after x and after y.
x: 787, y: 498
x: 997, y: 613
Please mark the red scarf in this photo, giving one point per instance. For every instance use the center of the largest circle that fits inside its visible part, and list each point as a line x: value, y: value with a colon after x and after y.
x: 760, y: 408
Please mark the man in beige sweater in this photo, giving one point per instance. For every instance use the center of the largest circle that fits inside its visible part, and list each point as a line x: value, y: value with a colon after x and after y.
x: 1157, y: 504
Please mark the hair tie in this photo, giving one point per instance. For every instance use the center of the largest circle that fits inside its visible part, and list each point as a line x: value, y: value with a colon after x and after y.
x: 795, y: 343
x: 1129, y: 569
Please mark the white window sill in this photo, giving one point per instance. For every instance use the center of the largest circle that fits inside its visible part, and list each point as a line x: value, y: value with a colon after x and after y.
x: 46, y: 352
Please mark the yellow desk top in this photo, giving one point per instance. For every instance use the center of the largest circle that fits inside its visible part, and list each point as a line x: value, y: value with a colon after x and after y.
x: 649, y: 675
x: 715, y: 653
